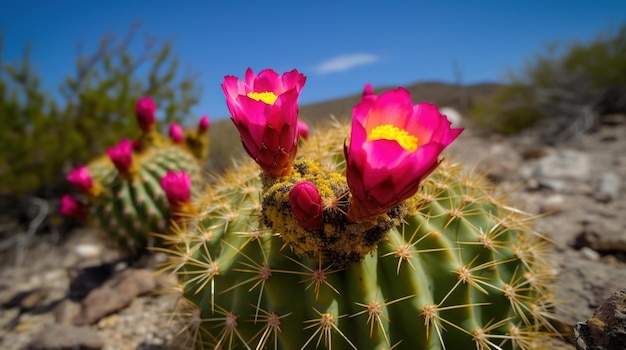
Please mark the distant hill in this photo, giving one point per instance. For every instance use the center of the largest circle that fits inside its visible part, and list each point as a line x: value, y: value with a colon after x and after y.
x: 226, y: 145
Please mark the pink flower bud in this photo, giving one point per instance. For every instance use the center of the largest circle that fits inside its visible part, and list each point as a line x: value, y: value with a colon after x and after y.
x: 264, y: 108
x: 393, y: 146
x: 71, y: 207
x: 203, y: 125
x: 177, y: 187
x: 306, y: 205
x: 145, y: 111
x: 176, y: 133
x: 303, y: 129
x: 80, y: 178
x: 121, y: 155
x: 368, y: 92
x: 137, y: 145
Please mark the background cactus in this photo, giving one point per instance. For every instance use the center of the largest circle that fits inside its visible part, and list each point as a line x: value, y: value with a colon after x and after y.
x: 131, y: 207
x: 122, y: 192
x: 462, y: 270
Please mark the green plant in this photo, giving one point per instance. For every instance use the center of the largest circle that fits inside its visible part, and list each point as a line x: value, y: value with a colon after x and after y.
x: 461, y: 270
x: 125, y: 193
x: 369, y: 242
x: 43, y: 135
x: 554, y: 85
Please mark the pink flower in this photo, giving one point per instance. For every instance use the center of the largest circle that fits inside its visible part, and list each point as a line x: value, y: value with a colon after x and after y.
x: 80, y: 178
x: 71, y: 207
x: 176, y: 133
x: 121, y: 155
x: 264, y: 108
x: 203, y: 125
x: 145, y: 111
x: 303, y: 129
x: 306, y: 205
x: 177, y: 187
x: 393, y: 146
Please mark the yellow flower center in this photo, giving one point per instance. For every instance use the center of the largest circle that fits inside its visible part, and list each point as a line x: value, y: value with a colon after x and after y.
x: 390, y: 132
x: 266, y: 96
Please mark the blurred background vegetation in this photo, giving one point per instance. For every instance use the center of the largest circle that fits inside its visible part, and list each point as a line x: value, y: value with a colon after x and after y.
x: 45, y: 134
x: 555, y: 84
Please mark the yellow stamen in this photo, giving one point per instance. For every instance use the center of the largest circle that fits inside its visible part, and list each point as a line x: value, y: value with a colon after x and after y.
x: 390, y: 132
x: 266, y: 96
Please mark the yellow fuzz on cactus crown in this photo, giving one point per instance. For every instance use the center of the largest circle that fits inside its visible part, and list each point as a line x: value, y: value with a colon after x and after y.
x: 390, y: 132
x: 266, y: 96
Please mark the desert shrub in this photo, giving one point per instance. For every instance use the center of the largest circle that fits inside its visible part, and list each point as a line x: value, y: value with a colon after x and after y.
x: 42, y: 137
x: 558, y: 82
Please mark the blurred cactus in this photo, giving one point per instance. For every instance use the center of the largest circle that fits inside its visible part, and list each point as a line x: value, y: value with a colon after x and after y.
x: 129, y: 192
x: 276, y: 260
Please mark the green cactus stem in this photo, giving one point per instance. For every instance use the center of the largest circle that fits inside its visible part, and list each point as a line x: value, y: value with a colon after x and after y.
x: 453, y: 267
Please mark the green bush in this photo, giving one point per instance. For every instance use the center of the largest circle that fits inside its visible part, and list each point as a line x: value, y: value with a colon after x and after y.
x: 42, y: 138
x: 557, y: 83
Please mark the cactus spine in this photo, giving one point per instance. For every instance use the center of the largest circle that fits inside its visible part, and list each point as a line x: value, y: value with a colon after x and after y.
x: 452, y: 267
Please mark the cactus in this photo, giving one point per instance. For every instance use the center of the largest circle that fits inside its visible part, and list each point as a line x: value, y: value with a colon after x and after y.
x: 283, y: 260
x: 122, y: 193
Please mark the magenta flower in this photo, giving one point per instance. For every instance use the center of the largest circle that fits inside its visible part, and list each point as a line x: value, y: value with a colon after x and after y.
x: 176, y: 133
x: 177, y: 187
x: 264, y: 108
x: 122, y: 155
x: 306, y: 205
x: 303, y: 129
x: 393, y: 146
x: 81, y: 179
x: 203, y: 125
x: 145, y: 111
x: 71, y: 207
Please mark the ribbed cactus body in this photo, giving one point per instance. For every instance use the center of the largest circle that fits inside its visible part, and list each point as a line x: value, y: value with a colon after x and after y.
x: 129, y: 207
x: 461, y: 271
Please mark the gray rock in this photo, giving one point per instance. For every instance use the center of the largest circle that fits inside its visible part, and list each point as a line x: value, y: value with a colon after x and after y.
x: 606, y: 329
x: 606, y: 236
x: 607, y: 187
x: 564, y: 165
x: 66, y: 337
x: 582, y: 286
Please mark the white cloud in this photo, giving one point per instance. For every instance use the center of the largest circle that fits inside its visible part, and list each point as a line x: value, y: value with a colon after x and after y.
x: 345, y: 62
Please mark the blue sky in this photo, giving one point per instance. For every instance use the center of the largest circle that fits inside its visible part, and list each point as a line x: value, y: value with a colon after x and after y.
x: 338, y: 45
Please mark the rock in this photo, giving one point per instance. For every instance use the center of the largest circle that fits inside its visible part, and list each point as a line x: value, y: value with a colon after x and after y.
x: 88, y: 251
x: 602, y: 236
x: 606, y: 329
x: 564, y: 165
x: 66, y: 337
x: 115, y: 294
x: 607, y: 187
x: 553, y: 204
x: 66, y: 311
x: 581, y: 287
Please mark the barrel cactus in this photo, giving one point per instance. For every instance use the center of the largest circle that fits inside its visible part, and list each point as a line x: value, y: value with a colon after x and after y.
x: 122, y: 190
x: 339, y: 249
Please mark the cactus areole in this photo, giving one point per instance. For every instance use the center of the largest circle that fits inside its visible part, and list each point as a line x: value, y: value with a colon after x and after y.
x: 429, y: 259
